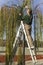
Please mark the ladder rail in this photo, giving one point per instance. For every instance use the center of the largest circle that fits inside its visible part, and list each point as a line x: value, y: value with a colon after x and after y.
x: 16, y: 36
x: 28, y: 42
x: 15, y: 45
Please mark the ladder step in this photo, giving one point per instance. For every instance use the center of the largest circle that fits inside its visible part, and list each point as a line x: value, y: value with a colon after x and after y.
x: 32, y: 47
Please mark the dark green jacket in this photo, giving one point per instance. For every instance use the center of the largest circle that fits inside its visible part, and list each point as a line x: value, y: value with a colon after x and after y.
x: 27, y: 19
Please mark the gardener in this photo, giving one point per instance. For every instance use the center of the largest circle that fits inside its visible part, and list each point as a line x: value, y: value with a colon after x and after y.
x: 27, y: 20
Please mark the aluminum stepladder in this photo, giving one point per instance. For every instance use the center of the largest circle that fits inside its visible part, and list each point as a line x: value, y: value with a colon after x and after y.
x: 33, y: 56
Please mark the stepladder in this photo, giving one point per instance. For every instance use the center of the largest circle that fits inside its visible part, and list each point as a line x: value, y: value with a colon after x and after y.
x: 31, y: 49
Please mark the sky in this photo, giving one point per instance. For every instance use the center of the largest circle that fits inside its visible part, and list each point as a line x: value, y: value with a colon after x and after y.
x: 9, y: 2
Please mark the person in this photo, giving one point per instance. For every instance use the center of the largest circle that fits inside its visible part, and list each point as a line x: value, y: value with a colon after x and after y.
x: 27, y: 20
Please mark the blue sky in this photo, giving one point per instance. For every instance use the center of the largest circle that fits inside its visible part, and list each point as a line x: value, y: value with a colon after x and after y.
x: 37, y: 2
x: 9, y: 2
x: 40, y: 2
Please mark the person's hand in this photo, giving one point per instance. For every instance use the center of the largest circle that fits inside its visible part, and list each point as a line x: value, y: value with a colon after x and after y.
x: 26, y: 6
x: 19, y: 14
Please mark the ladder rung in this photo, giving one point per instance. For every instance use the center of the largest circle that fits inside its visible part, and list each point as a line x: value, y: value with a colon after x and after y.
x: 32, y: 48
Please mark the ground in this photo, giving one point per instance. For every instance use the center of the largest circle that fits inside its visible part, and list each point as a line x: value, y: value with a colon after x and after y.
x: 39, y: 62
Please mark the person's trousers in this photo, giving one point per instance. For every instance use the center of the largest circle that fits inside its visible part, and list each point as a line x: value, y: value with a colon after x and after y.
x: 28, y: 32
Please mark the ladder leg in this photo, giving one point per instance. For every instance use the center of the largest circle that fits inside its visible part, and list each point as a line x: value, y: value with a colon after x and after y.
x: 16, y: 36
x: 33, y: 59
